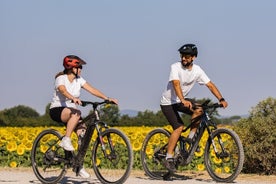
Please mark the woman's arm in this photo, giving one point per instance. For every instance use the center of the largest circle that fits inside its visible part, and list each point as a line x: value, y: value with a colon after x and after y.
x: 97, y: 93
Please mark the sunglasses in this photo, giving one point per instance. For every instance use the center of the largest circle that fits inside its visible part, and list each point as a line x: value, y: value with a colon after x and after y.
x: 80, y: 67
x: 186, y: 56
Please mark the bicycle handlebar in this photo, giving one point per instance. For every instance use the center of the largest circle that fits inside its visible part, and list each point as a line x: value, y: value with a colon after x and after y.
x: 205, y: 105
x: 95, y: 104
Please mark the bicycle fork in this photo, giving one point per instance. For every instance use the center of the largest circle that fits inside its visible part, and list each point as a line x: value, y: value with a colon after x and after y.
x: 223, y: 153
x: 110, y: 156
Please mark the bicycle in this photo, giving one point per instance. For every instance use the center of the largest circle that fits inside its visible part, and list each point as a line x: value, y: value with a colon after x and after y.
x: 112, y: 156
x: 223, y: 155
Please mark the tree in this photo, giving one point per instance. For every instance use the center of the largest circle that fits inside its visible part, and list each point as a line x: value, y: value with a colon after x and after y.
x: 18, y: 115
x: 258, y: 135
x: 110, y: 113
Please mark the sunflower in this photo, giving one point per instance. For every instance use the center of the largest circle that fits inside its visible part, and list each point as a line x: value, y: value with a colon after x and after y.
x: 200, y: 153
x: 43, y: 148
x: 20, y: 149
x: 94, y: 136
x: 28, y: 146
x: 11, y: 146
x: 213, y: 153
x: 98, y: 162
x: 217, y: 160
x: 226, y: 169
x: 200, y: 167
x: 13, y: 164
x: 149, y: 151
x: 136, y: 145
x: 218, y: 170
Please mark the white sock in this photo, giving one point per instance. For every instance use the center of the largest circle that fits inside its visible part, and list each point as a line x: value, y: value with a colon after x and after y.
x: 191, y: 134
x: 169, y: 156
x: 66, y: 138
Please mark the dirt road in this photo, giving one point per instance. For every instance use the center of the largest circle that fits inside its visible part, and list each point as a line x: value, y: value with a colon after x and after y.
x: 25, y: 175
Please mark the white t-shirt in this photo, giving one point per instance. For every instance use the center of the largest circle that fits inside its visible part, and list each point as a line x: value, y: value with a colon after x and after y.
x: 73, y: 88
x: 187, y: 80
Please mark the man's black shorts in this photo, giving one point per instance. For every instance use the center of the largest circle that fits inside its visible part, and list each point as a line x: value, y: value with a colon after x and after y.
x: 171, y: 112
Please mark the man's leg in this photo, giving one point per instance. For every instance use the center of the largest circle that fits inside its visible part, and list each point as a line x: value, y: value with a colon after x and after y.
x: 173, y: 140
x: 195, y: 121
x: 175, y: 121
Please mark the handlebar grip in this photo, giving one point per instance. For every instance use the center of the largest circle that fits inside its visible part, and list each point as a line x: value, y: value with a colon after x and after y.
x: 109, y: 102
x: 217, y: 105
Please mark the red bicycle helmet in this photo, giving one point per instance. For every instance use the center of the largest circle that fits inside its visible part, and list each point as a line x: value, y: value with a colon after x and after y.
x: 72, y: 61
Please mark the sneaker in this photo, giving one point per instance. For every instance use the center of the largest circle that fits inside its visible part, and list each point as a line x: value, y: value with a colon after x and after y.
x: 83, y: 173
x: 66, y: 144
x: 170, y: 165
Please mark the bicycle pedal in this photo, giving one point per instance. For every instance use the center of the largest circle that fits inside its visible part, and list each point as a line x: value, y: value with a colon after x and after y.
x: 76, y: 170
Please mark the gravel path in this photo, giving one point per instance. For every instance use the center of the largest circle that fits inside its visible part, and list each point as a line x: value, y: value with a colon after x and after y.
x: 25, y: 175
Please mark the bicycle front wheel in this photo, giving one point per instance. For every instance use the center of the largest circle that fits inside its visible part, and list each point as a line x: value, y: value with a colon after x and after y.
x: 46, y: 157
x: 224, y: 155
x: 153, y: 153
x: 112, y: 160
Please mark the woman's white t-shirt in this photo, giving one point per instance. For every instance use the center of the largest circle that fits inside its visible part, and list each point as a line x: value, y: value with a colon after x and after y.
x: 73, y: 88
x: 187, y: 80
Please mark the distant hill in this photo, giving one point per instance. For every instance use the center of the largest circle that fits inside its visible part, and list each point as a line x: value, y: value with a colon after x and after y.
x: 129, y: 112
x: 133, y: 113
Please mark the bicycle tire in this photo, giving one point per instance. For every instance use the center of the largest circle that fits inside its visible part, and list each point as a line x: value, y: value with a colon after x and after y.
x: 115, y: 167
x: 152, y: 162
x: 45, y: 149
x: 224, y: 166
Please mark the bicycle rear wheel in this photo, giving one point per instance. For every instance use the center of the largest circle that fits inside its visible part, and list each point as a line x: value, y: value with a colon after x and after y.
x: 153, y: 153
x: 46, y: 156
x: 112, y: 161
x: 225, y: 164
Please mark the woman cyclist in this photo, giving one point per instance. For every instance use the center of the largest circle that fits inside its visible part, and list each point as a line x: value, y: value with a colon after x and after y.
x: 65, y: 100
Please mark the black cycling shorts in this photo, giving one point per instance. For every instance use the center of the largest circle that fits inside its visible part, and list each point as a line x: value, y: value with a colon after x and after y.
x: 171, y: 112
x: 55, y: 114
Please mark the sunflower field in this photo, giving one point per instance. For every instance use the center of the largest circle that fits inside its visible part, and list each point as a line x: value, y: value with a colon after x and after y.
x: 16, y: 144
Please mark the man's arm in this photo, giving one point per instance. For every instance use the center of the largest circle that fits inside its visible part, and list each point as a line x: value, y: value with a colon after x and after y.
x: 178, y: 92
x: 212, y: 87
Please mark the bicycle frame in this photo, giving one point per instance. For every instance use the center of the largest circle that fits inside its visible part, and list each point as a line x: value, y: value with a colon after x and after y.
x: 111, y: 163
x: 92, y: 122
x: 204, y: 125
x: 224, y: 166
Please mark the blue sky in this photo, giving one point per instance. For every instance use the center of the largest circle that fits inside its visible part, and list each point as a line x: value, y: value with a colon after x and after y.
x: 130, y: 45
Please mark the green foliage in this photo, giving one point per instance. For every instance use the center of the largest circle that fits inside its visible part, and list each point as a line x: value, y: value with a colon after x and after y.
x: 110, y: 113
x: 21, y: 115
x: 258, y: 134
x: 18, y: 116
x: 146, y: 118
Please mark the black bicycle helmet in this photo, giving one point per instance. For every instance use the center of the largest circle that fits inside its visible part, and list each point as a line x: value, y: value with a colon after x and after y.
x: 189, y: 49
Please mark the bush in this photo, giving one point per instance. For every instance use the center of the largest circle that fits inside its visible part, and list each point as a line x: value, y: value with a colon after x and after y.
x: 258, y: 134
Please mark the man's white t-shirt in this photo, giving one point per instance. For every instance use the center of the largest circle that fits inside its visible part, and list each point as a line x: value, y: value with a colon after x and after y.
x: 187, y: 80
x: 73, y: 88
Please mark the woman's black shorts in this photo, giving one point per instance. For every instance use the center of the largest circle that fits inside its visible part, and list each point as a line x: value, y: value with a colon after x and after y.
x: 55, y: 114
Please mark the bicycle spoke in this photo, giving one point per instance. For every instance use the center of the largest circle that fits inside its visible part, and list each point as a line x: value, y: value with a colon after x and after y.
x: 153, y: 153
x: 113, y: 163
x: 224, y: 157
x: 45, y: 153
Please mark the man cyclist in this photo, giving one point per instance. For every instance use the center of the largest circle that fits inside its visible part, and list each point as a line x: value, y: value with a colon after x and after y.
x: 183, y: 75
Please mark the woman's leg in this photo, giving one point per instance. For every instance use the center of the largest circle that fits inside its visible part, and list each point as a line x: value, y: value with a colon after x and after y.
x: 72, y: 117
